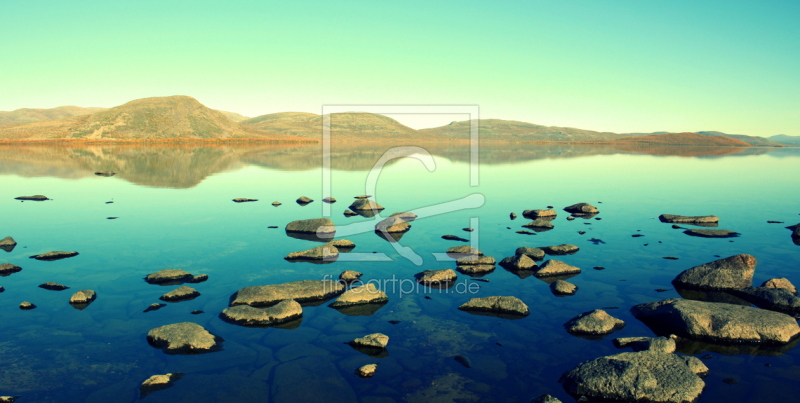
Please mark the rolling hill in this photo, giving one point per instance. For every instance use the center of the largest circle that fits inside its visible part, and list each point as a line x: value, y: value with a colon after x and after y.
x: 785, y: 139
x: 510, y: 130
x: 752, y: 140
x: 27, y: 115
x: 682, y: 139
x: 344, y: 126
x: 150, y: 119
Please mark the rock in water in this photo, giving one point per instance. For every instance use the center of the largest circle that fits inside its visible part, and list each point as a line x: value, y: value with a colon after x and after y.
x: 53, y: 286
x: 349, y: 276
x: 8, y: 244
x: 595, y: 322
x: 778, y: 299
x: 329, y: 200
x: 728, y: 273
x: 561, y: 287
x: 436, y: 276
x: 512, y: 216
x: 376, y: 340
x: 350, y: 213
x: 780, y: 283
x: 25, y: 305
x: 711, y: 233
x: 303, y: 200
x: 300, y: 291
x: 367, y: 371
x: 276, y: 203
x: 475, y: 270
x: 181, y: 293
x: 244, y: 200
x: 682, y: 219
x: 33, y: 198
x: 322, y: 227
x: 475, y: 260
x: 538, y: 213
x: 105, y: 173
x: 168, y: 276
x: 365, y: 204
x: 563, y: 249
x: 7, y: 269
x: 465, y: 361
x: 533, y: 253
x: 154, y: 307
x: 519, y: 262
x: 581, y: 209
x: 198, y: 278
x: 158, y: 382
x: 637, y: 377
x: 545, y: 398
x: 183, y: 338
x: 658, y: 344
x: 716, y: 321
x: 246, y: 315
x: 82, y: 297
x: 454, y: 238
x: 326, y: 253
x: 539, y: 223
x: 556, y: 268
x: 54, y: 255
x: 498, y: 305
x: 463, y: 251
x: 366, y: 294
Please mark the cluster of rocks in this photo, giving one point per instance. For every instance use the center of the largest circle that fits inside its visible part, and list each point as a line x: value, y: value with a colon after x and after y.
x: 471, y: 261
x: 171, y: 277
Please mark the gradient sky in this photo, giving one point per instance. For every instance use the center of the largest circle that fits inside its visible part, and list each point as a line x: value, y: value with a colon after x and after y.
x: 622, y: 66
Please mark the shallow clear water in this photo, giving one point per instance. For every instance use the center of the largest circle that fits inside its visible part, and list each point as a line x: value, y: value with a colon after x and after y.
x: 175, y: 211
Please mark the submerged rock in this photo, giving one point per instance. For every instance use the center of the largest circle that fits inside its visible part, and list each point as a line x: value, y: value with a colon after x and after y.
x: 198, y: 278
x: 8, y: 244
x: 581, y: 209
x: 54, y: 255
x: 168, y: 276
x: 53, y: 286
x: 366, y: 294
x: 563, y: 249
x: 349, y: 276
x: 561, y: 287
x: 7, y: 269
x: 711, y: 233
x: 436, y: 276
x: 329, y: 200
x: 25, y: 305
x: 349, y: 213
x: 183, y: 338
x: 154, y: 307
x: 716, y: 321
x: 498, y: 305
x: 328, y: 253
x: 657, y: 344
x: 342, y: 244
x: 158, y: 382
x: 534, y: 214
x: 780, y: 283
x: 105, y: 173
x: 454, y: 238
x: 321, y: 227
x: 300, y: 291
x: 376, y: 340
x: 83, y: 297
x: 367, y: 371
x: 33, y: 198
x: 179, y: 294
x: 246, y: 315
x: 682, y: 219
x: 555, y: 268
x: 594, y: 322
x: 243, y: 200
x: 392, y: 224
x: 728, y: 273
x: 365, y: 204
x: 637, y: 377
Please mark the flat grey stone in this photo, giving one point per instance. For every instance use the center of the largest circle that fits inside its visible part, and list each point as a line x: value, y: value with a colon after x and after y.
x: 561, y: 287
x: 563, y: 249
x: 33, y: 198
x: 719, y: 322
x: 377, y: 340
x: 555, y: 268
x: 244, y: 200
x: 246, y: 315
x: 54, y: 255
x: 539, y: 223
x: 168, y: 276
x: 475, y: 270
x: 497, y: 304
x: 179, y: 294
x: 53, y: 286
x: 594, y: 322
x: 393, y: 224
x: 350, y: 275
x: 581, y: 208
x: 83, y: 297
x: 182, y: 338
x: 711, y: 233
x: 534, y: 214
x: 533, y: 253
x: 475, y: 260
x: 366, y: 294
x: 316, y: 226
x: 158, y: 382
x: 322, y: 253
x: 637, y: 377
x: 300, y: 291
x: 682, y: 219
x: 462, y: 251
x: 730, y: 272
x: 436, y: 276
x: 304, y: 200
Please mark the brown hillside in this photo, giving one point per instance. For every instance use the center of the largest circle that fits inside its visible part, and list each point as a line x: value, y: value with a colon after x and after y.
x: 683, y: 139
x: 172, y: 118
x: 27, y: 115
x: 511, y: 130
x: 344, y: 126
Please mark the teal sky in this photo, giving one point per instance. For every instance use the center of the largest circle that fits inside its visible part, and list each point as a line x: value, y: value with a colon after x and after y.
x: 623, y: 66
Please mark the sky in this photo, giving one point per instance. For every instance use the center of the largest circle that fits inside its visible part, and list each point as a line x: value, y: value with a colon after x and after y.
x: 620, y: 66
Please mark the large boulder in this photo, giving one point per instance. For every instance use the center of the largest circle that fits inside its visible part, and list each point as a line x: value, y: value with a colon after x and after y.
x: 246, y: 315
x: 168, y: 276
x: 682, y: 219
x: 581, y: 208
x: 594, y: 322
x: 556, y: 268
x: 716, y: 321
x: 778, y: 299
x: 499, y: 305
x: 366, y: 294
x: 183, y: 338
x: 780, y: 283
x: 300, y: 291
x: 637, y: 377
x: 365, y: 204
x: 322, y: 227
x: 728, y: 273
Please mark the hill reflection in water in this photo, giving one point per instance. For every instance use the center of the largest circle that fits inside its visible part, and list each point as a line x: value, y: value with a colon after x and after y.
x: 186, y: 165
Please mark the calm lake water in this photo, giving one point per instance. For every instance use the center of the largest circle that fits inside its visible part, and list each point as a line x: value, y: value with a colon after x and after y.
x: 175, y: 211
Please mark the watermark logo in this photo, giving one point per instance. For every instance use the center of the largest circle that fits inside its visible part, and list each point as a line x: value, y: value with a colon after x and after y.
x: 405, y: 286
